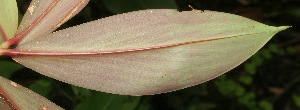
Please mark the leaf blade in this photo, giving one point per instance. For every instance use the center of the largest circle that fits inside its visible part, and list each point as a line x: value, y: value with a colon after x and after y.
x: 145, y: 29
x: 43, y: 17
x: 8, y: 18
x: 25, y: 98
x: 156, y: 70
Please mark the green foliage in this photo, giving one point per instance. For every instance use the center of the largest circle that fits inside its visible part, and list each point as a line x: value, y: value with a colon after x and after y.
x: 246, y: 79
x: 81, y: 93
x: 291, y: 50
x: 265, y: 105
x: 92, y: 100
x: 103, y: 101
x: 248, y: 100
x: 7, y: 68
x: 296, y: 99
x: 122, y: 6
x: 42, y: 87
x: 229, y: 87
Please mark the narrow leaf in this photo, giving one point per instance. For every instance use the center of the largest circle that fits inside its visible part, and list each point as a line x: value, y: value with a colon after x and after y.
x: 45, y: 16
x: 8, y: 19
x: 152, y: 51
x: 20, y: 98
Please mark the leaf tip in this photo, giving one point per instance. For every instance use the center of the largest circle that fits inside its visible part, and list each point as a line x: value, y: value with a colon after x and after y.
x: 281, y: 28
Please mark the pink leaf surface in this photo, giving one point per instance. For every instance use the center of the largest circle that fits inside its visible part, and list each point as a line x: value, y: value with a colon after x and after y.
x: 146, y: 52
x: 45, y: 16
x: 16, y: 97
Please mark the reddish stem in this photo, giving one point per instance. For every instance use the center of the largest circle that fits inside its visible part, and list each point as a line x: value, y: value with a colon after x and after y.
x: 21, y: 35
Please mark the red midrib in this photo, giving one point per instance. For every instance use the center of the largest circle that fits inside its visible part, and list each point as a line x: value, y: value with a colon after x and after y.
x: 22, y: 34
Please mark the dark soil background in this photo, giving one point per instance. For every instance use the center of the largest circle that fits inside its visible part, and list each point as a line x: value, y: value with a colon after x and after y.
x: 270, y: 80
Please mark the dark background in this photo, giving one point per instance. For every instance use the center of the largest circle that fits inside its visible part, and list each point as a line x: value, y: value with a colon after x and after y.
x: 269, y: 80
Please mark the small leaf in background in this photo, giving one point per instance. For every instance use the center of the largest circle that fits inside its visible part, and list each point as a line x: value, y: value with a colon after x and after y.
x: 248, y: 100
x: 265, y: 105
x: 24, y: 98
x: 143, y: 104
x: 104, y: 101
x: 291, y: 50
x: 229, y: 87
x: 257, y: 60
x: 296, y: 99
x: 273, y: 48
x: 250, y: 68
x: 254, y: 62
x: 81, y: 93
x: 7, y: 68
x: 266, y: 54
x: 42, y: 87
x: 246, y: 79
x: 122, y: 6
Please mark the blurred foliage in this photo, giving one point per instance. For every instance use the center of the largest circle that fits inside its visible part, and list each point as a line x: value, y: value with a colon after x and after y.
x: 122, y: 6
x: 269, y: 80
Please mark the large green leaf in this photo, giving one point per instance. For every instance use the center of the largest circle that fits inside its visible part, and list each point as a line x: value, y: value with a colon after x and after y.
x: 146, y: 52
x: 20, y: 98
x: 8, y: 18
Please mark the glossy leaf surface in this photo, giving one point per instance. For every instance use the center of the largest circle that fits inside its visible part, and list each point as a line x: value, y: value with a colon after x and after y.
x: 8, y: 18
x: 14, y: 96
x: 146, y: 52
x: 44, y: 16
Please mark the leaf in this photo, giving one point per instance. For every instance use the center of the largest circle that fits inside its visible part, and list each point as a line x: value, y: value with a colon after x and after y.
x: 103, y: 101
x: 42, y: 87
x: 229, y: 87
x: 152, y: 51
x: 8, y: 18
x: 265, y: 105
x: 22, y: 98
x: 296, y: 100
x: 122, y: 6
x: 7, y: 68
x: 45, y: 16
